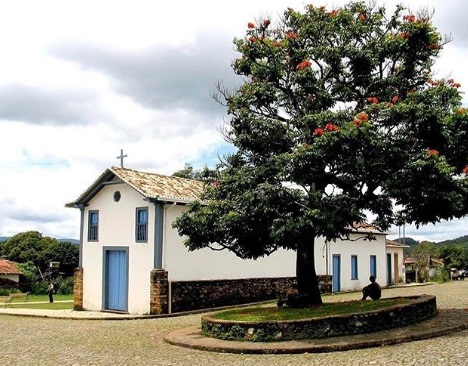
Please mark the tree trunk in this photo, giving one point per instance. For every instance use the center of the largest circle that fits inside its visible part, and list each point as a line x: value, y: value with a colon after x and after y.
x: 307, y: 281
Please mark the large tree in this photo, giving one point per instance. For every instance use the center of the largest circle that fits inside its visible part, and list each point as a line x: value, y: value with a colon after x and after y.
x: 32, y: 246
x: 339, y: 120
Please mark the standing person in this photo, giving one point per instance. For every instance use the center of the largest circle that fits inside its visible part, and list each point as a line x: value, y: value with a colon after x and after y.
x: 50, y: 292
x: 372, y: 290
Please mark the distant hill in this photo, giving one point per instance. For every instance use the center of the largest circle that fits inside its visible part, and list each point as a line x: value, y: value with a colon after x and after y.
x: 462, y: 240
x: 73, y: 241
x: 407, y: 241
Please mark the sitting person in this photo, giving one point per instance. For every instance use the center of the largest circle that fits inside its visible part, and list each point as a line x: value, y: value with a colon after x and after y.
x: 291, y: 300
x: 372, y: 290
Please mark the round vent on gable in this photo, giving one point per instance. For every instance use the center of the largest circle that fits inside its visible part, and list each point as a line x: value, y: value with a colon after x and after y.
x: 117, y: 196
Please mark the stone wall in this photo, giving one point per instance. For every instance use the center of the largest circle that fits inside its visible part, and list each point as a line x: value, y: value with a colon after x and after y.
x: 414, y: 309
x: 78, y: 289
x: 193, y: 295
x: 158, y: 292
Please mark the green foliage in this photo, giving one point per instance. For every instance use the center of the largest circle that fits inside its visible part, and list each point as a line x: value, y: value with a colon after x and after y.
x: 462, y: 240
x: 454, y: 256
x: 31, y: 246
x: 65, y: 286
x: 422, y: 254
x: 189, y: 172
x: 30, y: 276
x: 39, y: 287
x: 339, y: 115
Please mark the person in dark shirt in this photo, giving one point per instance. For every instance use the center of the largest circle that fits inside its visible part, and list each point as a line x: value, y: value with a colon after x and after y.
x: 292, y: 298
x: 372, y: 290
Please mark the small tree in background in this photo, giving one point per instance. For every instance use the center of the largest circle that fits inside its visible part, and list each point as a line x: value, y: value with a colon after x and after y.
x: 454, y: 256
x: 338, y: 116
x: 34, y: 252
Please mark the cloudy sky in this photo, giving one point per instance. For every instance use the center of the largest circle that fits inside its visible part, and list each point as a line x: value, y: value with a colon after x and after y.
x: 80, y: 80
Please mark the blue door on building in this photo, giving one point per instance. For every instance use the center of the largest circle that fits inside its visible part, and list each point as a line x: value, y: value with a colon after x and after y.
x: 373, y: 266
x: 336, y: 282
x: 116, y: 283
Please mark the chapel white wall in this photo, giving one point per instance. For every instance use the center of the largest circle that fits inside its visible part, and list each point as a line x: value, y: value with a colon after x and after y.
x: 206, y: 264
x: 117, y: 230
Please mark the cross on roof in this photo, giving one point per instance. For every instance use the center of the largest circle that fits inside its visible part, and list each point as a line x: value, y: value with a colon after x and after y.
x: 121, y: 157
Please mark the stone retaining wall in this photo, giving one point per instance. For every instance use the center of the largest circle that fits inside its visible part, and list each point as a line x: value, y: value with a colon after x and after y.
x: 194, y: 295
x: 418, y: 309
x: 78, y: 289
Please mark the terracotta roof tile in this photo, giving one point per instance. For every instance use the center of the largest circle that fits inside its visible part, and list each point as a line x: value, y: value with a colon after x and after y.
x: 9, y: 267
x: 161, y: 187
x: 151, y: 185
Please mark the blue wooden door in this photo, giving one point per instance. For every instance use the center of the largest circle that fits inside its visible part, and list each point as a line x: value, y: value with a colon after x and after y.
x: 336, y: 282
x: 116, y: 280
x: 373, y: 266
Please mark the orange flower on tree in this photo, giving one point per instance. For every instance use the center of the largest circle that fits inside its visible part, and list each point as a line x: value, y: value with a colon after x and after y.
x: 360, y: 119
x: 266, y: 22
x: 303, y: 65
x: 433, y: 152
x: 405, y: 35
x: 331, y: 127
x: 372, y: 100
x: 251, y: 25
x: 358, y: 122
x: 362, y: 17
x: 291, y: 35
x: 318, y: 132
x: 363, y: 116
x: 409, y: 18
x: 465, y: 170
x: 395, y: 99
x: 432, y: 82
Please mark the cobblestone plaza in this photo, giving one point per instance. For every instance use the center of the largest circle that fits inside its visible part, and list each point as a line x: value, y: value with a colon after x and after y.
x: 49, y: 341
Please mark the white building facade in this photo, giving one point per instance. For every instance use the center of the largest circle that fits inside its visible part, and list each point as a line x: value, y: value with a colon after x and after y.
x: 127, y: 234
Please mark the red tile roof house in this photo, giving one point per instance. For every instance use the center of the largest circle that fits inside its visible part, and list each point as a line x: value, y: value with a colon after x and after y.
x: 9, y: 270
x: 133, y: 261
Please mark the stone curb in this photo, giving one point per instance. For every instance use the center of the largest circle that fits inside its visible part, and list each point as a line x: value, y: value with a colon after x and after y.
x: 447, y: 321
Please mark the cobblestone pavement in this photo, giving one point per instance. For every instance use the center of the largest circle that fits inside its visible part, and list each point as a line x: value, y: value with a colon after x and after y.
x: 26, y: 340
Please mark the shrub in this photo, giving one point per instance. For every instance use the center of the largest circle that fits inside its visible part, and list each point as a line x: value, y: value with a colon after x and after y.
x: 65, y: 286
x: 39, y: 288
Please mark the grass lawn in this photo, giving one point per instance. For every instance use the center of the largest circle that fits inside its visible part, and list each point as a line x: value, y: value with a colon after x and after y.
x: 45, y: 305
x: 259, y: 313
x: 34, y: 298
x: 45, y: 302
